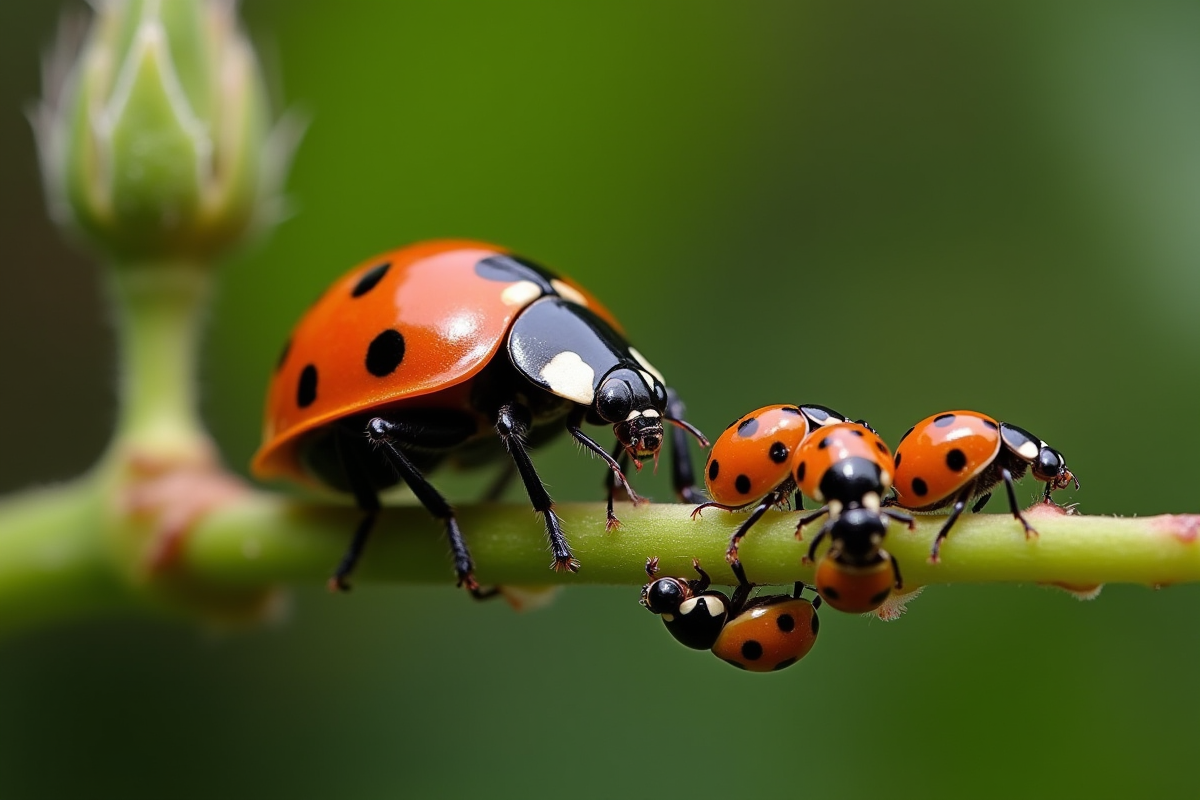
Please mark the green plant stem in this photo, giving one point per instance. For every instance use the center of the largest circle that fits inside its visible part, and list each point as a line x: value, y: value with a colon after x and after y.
x: 158, y: 311
x: 54, y: 564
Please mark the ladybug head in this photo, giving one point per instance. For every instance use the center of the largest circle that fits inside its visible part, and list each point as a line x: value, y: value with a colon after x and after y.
x: 857, y: 534
x: 633, y: 402
x: 1051, y: 467
x: 665, y: 595
x: 850, y: 480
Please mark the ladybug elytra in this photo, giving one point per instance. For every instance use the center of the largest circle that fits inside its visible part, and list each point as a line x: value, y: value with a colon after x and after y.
x: 461, y: 351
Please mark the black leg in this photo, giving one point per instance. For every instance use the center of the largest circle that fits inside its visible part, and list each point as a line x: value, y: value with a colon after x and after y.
x: 799, y: 500
x: 703, y: 582
x: 959, y: 504
x: 386, y: 436
x: 1013, y: 505
x: 682, y: 476
x: 812, y: 548
x: 740, y: 594
x: 896, y: 567
x: 731, y: 552
x: 616, y: 473
x: 903, y: 519
x: 512, y: 424
x: 367, y: 500
x: 610, y: 485
x: 980, y: 503
x: 502, y: 481
x: 807, y: 518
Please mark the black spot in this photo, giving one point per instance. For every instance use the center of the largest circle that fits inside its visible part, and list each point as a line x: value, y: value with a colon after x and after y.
x: 385, y: 353
x: 287, y: 348
x: 956, y: 459
x: 737, y: 664
x: 306, y: 390
x: 919, y: 487
x: 787, y: 662
x: 824, y: 443
x: 856, y: 432
x: 990, y: 424
x: 748, y: 427
x: 511, y: 268
x: 943, y: 420
x: 713, y: 469
x: 790, y: 410
x: 800, y: 470
x: 752, y: 650
x: 831, y: 593
x: 880, y: 446
x: 879, y: 597
x: 742, y: 484
x: 897, y: 460
x: 371, y: 277
x: 906, y: 433
x: 778, y: 452
x: 816, y: 624
x: 786, y: 623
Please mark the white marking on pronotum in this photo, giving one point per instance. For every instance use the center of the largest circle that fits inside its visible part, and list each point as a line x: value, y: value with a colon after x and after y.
x: 641, y: 359
x: 668, y: 617
x: 1028, y: 450
x: 520, y: 294
x: 633, y: 415
x: 568, y: 376
x: 689, y: 605
x: 568, y: 292
x: 647, y: 377
x: 715, y: 607
x: 650, y: 412
x: 871, y: 501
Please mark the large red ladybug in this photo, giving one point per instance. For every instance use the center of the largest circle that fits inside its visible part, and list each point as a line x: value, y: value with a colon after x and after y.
x: 957, y: 457
x: 766, y: 634
x: 750, y: 463
x: 462, y: 349
x: 848, y: 468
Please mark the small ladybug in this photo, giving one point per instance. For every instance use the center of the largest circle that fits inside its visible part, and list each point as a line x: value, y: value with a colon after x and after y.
x: 848, y: 467
x: 958, y: 457
x: 766, y: 634
x: 459, y: 350
x: 750, y: 463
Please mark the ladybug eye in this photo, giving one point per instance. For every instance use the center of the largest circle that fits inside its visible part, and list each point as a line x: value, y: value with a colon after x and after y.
x: 615, y: 400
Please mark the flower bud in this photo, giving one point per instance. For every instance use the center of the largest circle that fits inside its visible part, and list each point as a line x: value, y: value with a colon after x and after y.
x: 154, y: 136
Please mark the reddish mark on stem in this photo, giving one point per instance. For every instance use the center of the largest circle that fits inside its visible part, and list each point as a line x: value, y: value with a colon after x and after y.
x: 1184, y: 527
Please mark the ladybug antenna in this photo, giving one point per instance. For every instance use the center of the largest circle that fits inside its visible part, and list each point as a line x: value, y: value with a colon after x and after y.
x: 690, y: 428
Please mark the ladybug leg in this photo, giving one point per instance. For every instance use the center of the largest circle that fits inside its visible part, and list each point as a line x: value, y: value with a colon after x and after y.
x: 731, y: 552
x: 807, y: 518
x: 980, y: 503
x: 1014, y: 505
x: 610, y: 485
x: 386, y: 435
x: 682, y: 476
x: 703, y: 582
x: 498, y: 486
x: 740, y: 594
x: 903, y: 519
x: 810, y: 556
x: 713, y: 504
x: 512, y: 425
x: 799, y: 500
x: 367, y: 500
x: 896, y: 567
x: 960, y: 503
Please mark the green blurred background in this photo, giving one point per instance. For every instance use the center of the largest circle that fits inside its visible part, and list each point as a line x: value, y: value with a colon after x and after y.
x: 893, y: 209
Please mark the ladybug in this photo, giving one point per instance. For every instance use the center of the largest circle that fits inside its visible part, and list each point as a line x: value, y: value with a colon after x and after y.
x: 462, y: 351
x: 766, y: 634
x: 848, y: 467
x: 750, y: 463
x: 957, y: 457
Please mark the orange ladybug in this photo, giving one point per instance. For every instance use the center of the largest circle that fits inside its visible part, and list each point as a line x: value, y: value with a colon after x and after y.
x: 957, y: 457
x: 766, y: 634
x: 848, y: 468
x: 458, y: 351
x: 750, y: 463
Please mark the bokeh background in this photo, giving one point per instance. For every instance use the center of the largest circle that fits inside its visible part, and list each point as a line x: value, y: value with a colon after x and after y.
x: 893, y: 209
